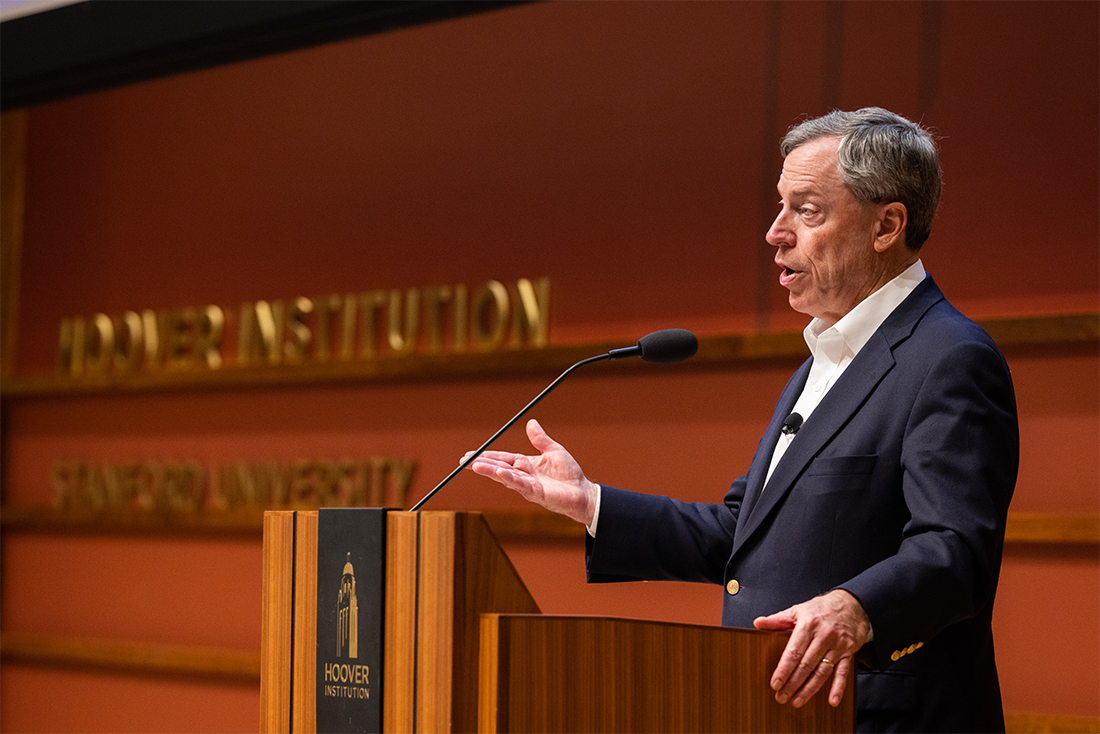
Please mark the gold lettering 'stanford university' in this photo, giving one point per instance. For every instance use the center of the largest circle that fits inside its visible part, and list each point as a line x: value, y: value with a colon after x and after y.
x: 450, y: 319
x: 182, y: 487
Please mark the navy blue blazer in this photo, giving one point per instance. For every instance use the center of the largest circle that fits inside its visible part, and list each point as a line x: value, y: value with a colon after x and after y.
x: 896, y: 489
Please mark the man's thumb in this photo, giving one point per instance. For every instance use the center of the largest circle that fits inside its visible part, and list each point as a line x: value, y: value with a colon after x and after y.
x: 538, y: 437
x: 779, y: 621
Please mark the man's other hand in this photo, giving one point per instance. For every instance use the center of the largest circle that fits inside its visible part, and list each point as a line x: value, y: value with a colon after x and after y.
x: 828, y: 630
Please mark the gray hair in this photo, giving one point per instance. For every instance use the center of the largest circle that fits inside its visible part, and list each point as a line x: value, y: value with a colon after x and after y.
x: 883, y: 158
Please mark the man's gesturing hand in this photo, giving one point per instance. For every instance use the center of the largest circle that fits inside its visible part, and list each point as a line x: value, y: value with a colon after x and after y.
x: 828, y: 630
x: 553, y: 479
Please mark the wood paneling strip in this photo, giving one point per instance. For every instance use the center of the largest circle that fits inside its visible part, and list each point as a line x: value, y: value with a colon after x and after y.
x: 50, y: 520
x: 714, y: 351
x: 526, y: 525
x: 463, y: 572
x: 1028, y: 723
x: 399, y: 661
x: 1045, y: 527
x: 238, y: 666
x: 276, y: 622
x: 304, y: 684
x: 13, y: 145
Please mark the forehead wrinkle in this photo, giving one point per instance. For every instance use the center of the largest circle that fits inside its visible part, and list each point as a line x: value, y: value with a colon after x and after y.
x: 813, y: 166
x: 826, y: 189
x: 803, y: 192
x: 800, y: 190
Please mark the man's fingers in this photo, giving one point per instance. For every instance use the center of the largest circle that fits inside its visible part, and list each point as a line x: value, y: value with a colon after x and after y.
x: 788, y: 676
x: 815, y: 680
x: 840, y: 681
x: 505, y: 456
x: 797, y: 668
x: 539, y: 440
x: 488, y: 467
x: 508, y: 476
x: 795, y: 653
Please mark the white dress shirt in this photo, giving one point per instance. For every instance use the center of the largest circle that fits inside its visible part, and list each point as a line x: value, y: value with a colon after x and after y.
x: 833, y: 349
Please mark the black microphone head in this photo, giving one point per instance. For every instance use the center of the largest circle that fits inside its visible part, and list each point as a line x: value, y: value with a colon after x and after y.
x: 668, y: 346
x: 791, y: 424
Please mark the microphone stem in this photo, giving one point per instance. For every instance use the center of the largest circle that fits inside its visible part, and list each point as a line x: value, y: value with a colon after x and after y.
x: 469, y: 460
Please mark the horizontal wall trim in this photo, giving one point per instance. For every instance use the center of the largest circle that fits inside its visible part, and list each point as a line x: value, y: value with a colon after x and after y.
x: 231, y: 664
x: 727, y: 350
x: 234, y: 666
x: 532, y: 525
x: 1042, y: 527
x: 1019, y: 722
x: 50, y: 520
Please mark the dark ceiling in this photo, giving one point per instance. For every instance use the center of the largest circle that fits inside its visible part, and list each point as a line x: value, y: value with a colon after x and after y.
x: 97, y: 44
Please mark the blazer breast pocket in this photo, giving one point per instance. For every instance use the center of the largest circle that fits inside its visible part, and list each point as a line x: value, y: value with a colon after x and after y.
x: 840, y: 473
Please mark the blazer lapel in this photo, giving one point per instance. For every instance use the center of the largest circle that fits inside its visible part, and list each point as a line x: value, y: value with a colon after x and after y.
x: 759, y: 468
x: 838, y: 406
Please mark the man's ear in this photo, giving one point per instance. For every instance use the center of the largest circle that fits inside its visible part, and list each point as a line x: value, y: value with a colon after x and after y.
x: 891, y: 222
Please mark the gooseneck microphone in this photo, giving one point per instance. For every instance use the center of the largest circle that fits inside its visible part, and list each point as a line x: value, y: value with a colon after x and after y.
x: 663, y: 347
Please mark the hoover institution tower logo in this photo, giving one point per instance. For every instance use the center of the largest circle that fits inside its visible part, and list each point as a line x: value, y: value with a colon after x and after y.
x: 347, y: 615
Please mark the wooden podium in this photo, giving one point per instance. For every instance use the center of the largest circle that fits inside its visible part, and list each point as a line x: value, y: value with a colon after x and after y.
x: 466, y: 649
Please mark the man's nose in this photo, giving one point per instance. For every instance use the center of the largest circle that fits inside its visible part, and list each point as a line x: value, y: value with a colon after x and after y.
x: 778, y: 234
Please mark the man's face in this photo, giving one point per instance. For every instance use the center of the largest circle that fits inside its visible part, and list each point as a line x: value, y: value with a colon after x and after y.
x: 824, y: 235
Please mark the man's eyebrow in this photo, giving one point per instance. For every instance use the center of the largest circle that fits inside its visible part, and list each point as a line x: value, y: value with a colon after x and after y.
x: 801, y: 192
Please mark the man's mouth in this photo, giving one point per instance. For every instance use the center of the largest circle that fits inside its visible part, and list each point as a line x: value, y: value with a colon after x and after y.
x: 787, y: 276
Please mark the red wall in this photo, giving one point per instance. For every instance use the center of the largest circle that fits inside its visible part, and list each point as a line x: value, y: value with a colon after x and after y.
x: 627, y: 151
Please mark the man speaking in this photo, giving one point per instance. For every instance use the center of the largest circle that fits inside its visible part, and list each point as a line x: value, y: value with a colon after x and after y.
x: 871, y: 519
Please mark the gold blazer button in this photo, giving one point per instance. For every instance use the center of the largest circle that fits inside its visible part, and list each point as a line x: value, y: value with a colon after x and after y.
x: 733, y: 587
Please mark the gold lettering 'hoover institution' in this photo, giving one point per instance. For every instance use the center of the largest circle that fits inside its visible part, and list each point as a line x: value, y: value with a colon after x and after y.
x: 340, y: 327
x: 347, y: 681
